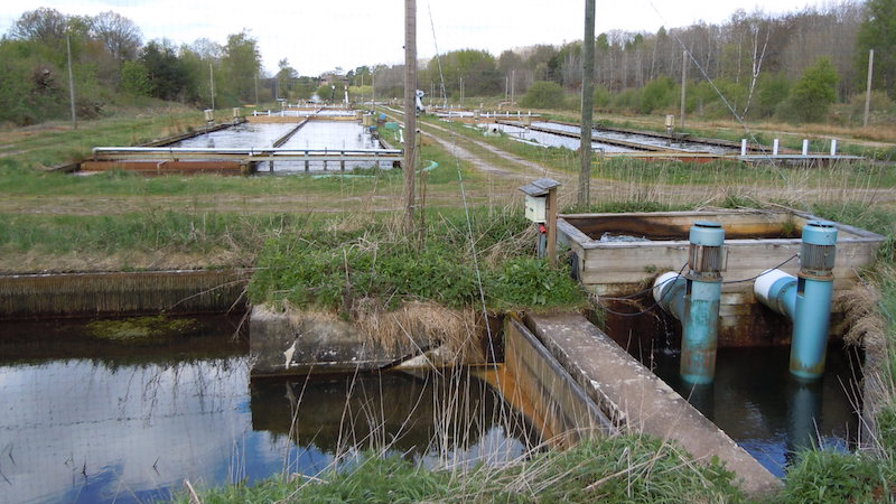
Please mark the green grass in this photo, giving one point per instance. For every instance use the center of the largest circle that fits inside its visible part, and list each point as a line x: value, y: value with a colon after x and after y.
x: 155, y: 230
x: 334, y: 271
x: 52, y: 144
x: 631, y: 469
x: 719, y: 172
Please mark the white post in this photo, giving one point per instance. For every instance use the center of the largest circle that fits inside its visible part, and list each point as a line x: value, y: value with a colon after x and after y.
x: 805, y: 147
x: 833, y: 146
x: 775, y: 146
x: 743, y: 146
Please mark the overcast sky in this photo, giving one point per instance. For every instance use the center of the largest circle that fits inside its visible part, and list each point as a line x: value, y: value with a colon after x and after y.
x: 319, y: 35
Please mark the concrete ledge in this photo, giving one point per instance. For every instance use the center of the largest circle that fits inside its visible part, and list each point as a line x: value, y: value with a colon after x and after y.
x: 297, y: 343
x: 637, y: 400
x: 92, y: 294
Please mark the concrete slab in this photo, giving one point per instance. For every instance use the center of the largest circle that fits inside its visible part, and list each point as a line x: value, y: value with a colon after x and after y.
x: 635, y: 399
x: 283, y: 344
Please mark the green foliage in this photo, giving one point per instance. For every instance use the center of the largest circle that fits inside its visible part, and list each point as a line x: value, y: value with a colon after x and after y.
x: 152, y: 231
x: 631, y: 469
x: 528, y: 282
x: 333, y: 271
x: 658, y: 94
x: 828, y: 477
x: 602, y: 97
x: 544, y: 94
x: 478, y: 69
x: 135, y: 79
x: 878, y: 32
x: 814, y: 93
x: 241, y: 64
x: 772, y: 91
x: 331, y: 92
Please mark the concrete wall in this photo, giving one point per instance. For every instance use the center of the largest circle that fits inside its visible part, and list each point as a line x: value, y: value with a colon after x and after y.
x: 538, y: 386
x: 297, y: 343
x: 120, y: 293
x: 637, y: 400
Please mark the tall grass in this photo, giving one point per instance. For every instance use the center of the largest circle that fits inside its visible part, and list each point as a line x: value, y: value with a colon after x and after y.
x: 344, y: 270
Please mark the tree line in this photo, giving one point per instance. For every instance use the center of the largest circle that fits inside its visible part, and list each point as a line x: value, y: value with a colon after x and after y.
x: 112, y: 65
x: 753, y: 66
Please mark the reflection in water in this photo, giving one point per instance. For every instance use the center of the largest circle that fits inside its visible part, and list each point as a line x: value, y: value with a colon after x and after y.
x: 767, y: 411
x: 332, y: 135
x: 84, y: 421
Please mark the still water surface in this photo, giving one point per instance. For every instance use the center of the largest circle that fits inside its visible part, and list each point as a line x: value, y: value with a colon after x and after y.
x: 768, y: 412
x: 83, y: 420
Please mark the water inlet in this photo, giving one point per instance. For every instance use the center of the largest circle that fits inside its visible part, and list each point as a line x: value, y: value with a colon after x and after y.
x: 806, y: 298
x: 694, y: 300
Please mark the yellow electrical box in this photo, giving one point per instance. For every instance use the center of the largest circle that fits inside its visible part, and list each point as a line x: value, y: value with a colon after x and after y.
x: 536, y: 208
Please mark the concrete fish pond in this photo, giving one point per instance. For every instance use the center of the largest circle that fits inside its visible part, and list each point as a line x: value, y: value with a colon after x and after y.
x: 298, y: 389
x: 618, y: 254
x: 100, y: 420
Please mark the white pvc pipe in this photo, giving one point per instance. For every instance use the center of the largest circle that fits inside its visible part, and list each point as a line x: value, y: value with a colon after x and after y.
x: 764, y: 283
x: 805, y: 147
x: 663, y: 282
x: 743, y: 146
x: 833, y: 146
x: 775, y: 146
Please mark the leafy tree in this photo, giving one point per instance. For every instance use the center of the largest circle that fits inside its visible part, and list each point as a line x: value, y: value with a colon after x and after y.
x: 813, y: 95
x: 285, y: 78
x: 543, y: 94
x: 135, y: 79
x: 878, y: 32
x: 241, y: 64
x: 167, y: 74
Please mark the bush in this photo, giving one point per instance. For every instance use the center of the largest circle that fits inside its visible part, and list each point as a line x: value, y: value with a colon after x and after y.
x: 544, y: 95
x: 813, y: 95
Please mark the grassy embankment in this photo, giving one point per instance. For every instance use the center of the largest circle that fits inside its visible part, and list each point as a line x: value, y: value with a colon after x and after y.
x: 171, y: 218
x: 53, y: 221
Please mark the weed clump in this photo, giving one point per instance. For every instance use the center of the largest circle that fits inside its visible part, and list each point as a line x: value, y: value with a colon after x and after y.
x: 143, y: 330
x: 374, y: 265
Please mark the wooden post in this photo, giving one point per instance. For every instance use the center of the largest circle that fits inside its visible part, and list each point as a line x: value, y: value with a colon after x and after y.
x: 410, y: 110
x: 584, y: 196
x: 71, y: 82
x: 553, y: 210
x: 211, y: 77
x: 868, y: 87
x: 684, y: 80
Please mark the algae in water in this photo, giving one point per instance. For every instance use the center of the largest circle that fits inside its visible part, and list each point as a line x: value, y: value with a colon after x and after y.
x: 143, y: 330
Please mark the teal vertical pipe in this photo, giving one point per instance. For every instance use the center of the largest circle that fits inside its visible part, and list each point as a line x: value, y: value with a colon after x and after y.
x: 694, y: 300
x: 806, y: 299
x: 700, y: 333
x: 815, y: 290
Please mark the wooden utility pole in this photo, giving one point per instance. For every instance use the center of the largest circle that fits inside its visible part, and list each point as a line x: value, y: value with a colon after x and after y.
x: 211, y: 79
x: 71, y: 82
x: 410, y: 110
x: 512, y: 83
x: 868, y: 87
x: 584, y: 199
x: 684, y: 81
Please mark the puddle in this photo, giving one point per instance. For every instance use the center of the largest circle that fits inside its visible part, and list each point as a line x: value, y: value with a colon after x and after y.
x: 103, y: 422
